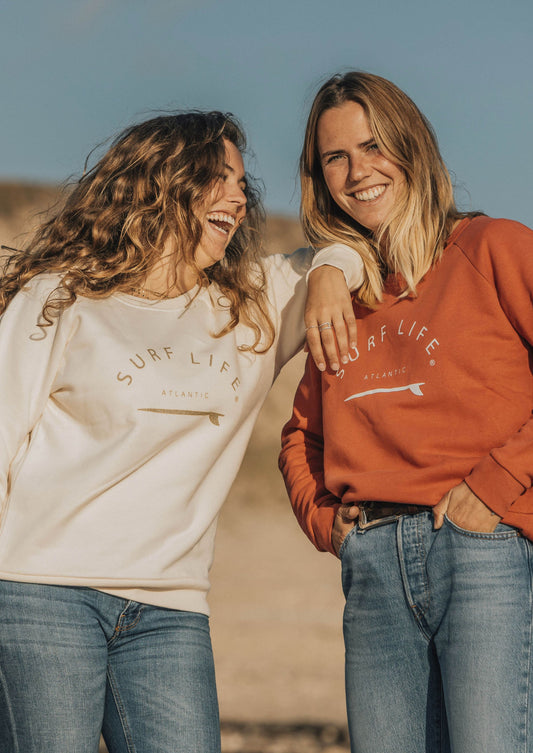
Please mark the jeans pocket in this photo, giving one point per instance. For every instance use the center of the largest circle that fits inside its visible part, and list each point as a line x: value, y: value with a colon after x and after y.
x: 501, y: 532
x: 346, y: 540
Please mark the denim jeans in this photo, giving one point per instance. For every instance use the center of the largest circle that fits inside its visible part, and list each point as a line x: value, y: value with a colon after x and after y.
x: 74, y: 661
x: 438, y: 635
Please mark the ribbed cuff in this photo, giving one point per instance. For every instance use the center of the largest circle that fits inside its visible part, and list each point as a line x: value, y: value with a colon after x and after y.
x: 494, y: 485
x: 322, y: 525
x: 344, y: 258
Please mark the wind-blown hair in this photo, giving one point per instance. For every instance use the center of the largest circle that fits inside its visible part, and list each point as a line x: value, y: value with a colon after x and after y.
x: 145, y: 190
x: 413, y: 237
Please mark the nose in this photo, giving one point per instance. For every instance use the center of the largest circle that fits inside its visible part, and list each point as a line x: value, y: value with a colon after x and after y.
x: 359, y: 168
x: 235, y: 194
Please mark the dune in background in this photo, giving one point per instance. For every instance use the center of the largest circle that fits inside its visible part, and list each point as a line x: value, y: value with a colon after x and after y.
x: 276, y: 603
x: 24, y: 205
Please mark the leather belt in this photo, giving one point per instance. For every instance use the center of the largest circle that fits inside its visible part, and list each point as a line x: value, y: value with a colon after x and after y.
x: 374, y: 513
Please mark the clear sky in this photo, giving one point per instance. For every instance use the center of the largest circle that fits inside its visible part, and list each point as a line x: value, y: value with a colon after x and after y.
x: 74, y: 72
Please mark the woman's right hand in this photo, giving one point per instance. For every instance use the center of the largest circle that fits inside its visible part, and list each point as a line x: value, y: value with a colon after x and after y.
x: 343, y: 524
x: 466, y: 510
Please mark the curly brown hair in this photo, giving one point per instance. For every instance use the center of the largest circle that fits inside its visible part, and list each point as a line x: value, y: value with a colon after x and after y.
x: 144, y: 191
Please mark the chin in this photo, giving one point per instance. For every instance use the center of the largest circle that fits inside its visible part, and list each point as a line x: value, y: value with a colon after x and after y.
x: 206, y: 259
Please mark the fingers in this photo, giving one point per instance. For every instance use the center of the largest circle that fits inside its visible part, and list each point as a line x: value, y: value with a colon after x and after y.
x: 468, y: 511
x: 348, y: 512
x: 341, y: 336
x: 328, y: 334
x: 351, y: 324
x: 440, y: 510
x: 345, y: 328
x: 342, y: 525
x: 331, y: 340
x: 314, y: 344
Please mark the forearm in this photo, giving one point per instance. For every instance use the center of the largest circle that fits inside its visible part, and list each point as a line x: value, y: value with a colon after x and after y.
x: 315, y: 507
x: 302, y: 463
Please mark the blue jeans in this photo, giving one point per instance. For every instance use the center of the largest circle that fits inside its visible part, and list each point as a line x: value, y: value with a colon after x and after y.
x: 74, y: 661
x: 438, y: 635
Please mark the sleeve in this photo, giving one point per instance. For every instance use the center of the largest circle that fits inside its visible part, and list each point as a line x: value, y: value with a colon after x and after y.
x: 301, y: 462
x: 344, y: 258
x: 505, y: 260
x: 288, y: 289
x: 30, y: 355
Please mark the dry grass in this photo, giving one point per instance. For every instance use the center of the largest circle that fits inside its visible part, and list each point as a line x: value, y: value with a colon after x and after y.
x: 18, y: 198
x: 22, y: 207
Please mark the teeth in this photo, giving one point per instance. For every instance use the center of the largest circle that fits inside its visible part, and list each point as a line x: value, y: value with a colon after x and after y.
x: 372, y: 193
x: 221, y: 217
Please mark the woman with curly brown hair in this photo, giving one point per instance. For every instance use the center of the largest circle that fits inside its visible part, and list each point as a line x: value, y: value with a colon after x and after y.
x: 429, y: 505
x: 140, y: 333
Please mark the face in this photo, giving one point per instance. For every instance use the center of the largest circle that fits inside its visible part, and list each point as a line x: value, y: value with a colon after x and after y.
x: 360, y: 179
x: 224, y: 209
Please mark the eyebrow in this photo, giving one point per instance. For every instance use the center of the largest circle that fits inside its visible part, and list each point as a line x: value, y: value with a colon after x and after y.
x: 242, y: 179
x: 362, y: 145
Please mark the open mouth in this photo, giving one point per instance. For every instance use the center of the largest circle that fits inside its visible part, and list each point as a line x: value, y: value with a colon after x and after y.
x: 221, y: 221
x: 370, y: 193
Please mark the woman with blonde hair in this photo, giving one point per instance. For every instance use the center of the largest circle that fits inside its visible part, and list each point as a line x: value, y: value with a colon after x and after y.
x: 429, y: 503
x: 140, y: 333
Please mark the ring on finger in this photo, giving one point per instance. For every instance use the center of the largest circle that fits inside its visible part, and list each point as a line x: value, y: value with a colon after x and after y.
x: 325, y: 325
x: 312, y: 326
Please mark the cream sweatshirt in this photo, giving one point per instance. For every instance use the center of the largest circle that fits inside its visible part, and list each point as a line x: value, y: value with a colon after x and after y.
x: 123, y: 426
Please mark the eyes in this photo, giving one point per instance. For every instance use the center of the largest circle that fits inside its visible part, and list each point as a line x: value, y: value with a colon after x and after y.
x: 333, y: 158
x: 243, y: 183
x: 369, y: 148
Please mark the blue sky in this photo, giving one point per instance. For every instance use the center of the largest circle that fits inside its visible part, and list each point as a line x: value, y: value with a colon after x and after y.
x: 74, y: 72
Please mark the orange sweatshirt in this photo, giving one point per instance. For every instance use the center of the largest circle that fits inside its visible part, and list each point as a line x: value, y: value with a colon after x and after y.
x: 439, y: 390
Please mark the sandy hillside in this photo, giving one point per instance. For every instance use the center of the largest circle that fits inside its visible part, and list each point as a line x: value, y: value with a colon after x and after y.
x: 276, y: 602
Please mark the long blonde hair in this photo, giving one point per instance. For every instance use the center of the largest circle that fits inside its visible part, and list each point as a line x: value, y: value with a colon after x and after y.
x: 415, y: 233
x: 144, y: 190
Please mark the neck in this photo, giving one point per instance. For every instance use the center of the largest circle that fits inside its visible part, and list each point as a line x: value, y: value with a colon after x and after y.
x: 165, y: 282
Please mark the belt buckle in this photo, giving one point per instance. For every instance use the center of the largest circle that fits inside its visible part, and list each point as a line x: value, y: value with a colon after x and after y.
x: 364, y: 524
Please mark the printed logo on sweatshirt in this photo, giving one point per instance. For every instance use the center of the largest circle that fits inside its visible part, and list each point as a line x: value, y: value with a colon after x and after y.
x: 208, y: 368
x: 211, y: 415
x: 415, y: 388
x: 412, y: 330
x: 154, y: 356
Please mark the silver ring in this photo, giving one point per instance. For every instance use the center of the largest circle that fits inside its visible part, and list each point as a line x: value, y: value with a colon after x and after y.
x: 325, y: 325
x: 312, y: 326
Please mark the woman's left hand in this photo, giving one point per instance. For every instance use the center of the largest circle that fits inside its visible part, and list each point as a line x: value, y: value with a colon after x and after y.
x: 330, y: 322
x: 467, y: 511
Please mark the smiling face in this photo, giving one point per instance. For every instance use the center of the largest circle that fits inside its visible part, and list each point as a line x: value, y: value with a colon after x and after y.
x: 360, y: 179
x: 224, y: 209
